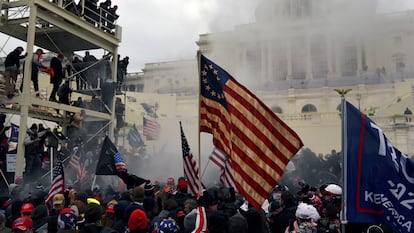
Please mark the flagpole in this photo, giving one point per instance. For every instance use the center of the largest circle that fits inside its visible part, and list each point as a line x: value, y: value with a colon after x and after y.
x: 344, y: 220
x: 4, y: 177
x: 198, y: 126
x: 93, y: 182
x: 51, y: 165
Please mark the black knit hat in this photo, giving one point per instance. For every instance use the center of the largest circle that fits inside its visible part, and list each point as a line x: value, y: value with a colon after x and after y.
x: 81, y: 197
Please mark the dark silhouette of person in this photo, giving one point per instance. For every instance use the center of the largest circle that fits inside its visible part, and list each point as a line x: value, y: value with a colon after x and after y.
x: 56, y: 76
x: 79, y: 77
x: 122, y: 70
x: 64, y: 93
x: 408, y: 114
x: 36, y: 66
x: 104, y: 11
x: 91, y: 9
x: 91, y: 74
x: 12, y: 66
x: 112, y: 16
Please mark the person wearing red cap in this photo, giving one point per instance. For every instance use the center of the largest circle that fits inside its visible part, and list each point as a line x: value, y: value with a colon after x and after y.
x: 109, y: 217
x: 36, y: 66
x: 26, y: 209
x: 22, y: 225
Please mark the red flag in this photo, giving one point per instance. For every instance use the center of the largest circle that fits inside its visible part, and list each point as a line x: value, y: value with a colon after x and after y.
x: 223, y: 162
x: 58, y: 183
x: 190, y: 166
x: 258, y: 143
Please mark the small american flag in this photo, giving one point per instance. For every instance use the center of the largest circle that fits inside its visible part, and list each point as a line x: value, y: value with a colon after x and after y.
x: 58, y: 183
x: 81, y: 172
x: 190, y: 166
x: 119, y: 162
x: 219, y: 158
x: 151, y: 129
x: 75, y: 161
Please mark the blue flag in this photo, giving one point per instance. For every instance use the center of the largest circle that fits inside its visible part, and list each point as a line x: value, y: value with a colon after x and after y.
x: 134, y: 138
x: 379, y: 185
x: 14, y: 133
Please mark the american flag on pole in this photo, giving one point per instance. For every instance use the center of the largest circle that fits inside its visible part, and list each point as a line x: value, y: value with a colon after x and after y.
x: 58, y: 182
x: 151, y: 129
x: 223, y: 162
x: 258, y: 143
x: 75, y: 162
x: 190, y: 166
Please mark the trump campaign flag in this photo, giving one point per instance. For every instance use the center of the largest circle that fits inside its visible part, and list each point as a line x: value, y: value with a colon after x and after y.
x: 379, y: 179
x: 14, y: 134
x: 258, y: 143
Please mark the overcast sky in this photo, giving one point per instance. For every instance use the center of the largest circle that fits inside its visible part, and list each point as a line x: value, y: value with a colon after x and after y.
x: 167, y: 30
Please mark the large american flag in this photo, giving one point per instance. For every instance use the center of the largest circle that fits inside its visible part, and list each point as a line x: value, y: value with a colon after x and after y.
x: 258, y: 143
x: 58, y: 182
x: 190, y: 166
x: 75, y: 162
x: 223, y: 162
x: 151, y: 129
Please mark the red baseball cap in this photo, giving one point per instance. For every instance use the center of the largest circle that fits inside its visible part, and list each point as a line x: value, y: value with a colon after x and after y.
x: 22, y: 223
x: 27, y: 208
x: 110, y: 209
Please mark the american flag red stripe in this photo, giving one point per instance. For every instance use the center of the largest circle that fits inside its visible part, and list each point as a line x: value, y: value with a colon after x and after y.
x: 190, y: 166
x: 201, y: 221
x: 223, y: 162
x: 258, y: 143
x: 81, y: 172
x: 151, y: 129
x: 58, y: 183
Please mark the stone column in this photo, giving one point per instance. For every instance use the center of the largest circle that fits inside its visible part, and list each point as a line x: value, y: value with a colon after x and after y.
x: 329, y: 56
x: 309, y: 75
x: 338, y: 54
x: 289, y: 59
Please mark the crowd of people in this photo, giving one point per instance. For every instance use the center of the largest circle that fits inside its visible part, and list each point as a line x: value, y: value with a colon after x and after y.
x: 152, y: 207
x: 102, y: 15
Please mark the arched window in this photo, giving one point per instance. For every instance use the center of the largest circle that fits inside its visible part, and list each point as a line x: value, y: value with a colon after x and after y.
x: 309, y: 108
x: 277, y: 109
